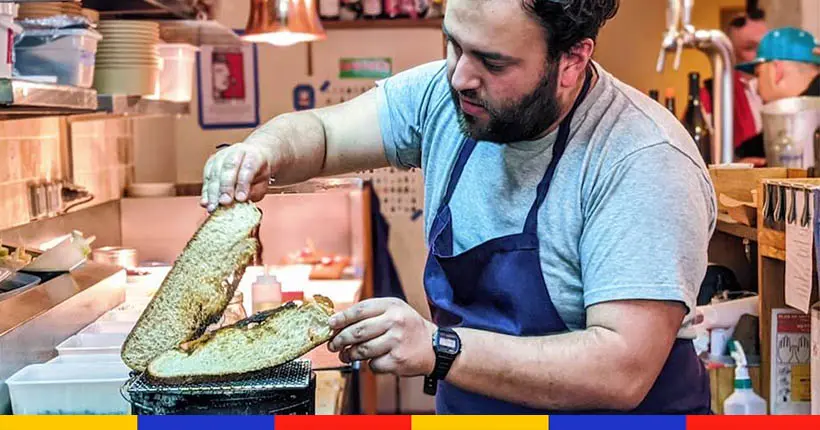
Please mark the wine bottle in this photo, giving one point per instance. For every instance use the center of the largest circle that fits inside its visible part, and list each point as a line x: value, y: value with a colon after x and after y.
x: 694, y: 120
x: 669, y: 101
x: 655, y: 95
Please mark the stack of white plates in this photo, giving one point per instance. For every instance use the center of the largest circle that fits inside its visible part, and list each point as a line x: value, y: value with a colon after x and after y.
x: 128, y: 59
x: 47, y: 9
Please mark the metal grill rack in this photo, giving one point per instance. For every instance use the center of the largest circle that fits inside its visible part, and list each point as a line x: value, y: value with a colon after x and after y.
x: 286, y: 389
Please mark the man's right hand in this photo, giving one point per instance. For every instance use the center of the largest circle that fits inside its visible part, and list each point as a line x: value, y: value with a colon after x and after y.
x: 237, y: 173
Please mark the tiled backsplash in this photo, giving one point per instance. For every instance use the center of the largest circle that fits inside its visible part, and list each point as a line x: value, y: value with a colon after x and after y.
x: 30, y: 149
x: 102, y: 156
x: 101, y: 159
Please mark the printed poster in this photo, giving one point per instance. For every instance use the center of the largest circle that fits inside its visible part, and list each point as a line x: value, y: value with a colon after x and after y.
x: 790, y: 390
x: 228, y: 87
x: 365, y: 68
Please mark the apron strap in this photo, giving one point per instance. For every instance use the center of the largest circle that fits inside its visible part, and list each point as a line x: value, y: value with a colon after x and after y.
x: 463, y: 155
x: 531, y: 225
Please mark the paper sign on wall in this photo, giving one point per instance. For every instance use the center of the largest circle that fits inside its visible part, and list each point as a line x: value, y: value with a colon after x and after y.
x: 799, y: 247
x: 365, y: 68
x: 790, y: 390
x: 227, y: 78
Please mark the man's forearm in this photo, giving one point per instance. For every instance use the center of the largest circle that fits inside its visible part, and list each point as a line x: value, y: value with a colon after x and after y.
x: 589, y: 369
x: 323, y: 142
x: 294, y: 145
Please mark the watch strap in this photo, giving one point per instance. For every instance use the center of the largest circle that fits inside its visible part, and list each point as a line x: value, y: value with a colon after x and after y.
x: 442, y: 367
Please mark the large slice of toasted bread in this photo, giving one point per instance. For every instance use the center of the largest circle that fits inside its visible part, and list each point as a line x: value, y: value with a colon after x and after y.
x: 199, y: 286
x: 260, y: 342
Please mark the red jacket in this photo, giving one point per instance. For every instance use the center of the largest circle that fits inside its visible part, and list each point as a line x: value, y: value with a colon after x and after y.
x: 744, y: 122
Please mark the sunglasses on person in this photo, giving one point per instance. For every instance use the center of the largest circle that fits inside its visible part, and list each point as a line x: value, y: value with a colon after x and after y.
x: 740, y: 21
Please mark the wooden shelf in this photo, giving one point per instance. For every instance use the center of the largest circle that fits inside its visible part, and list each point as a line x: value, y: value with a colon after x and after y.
x: 383, y: 24
x: 736, y: 229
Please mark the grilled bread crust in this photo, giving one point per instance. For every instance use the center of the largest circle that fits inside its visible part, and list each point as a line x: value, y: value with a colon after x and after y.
x: 252, y: 345
x: 199, y: 286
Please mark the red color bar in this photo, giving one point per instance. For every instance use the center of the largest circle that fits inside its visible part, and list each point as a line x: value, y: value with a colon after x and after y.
x: 343, y: 422
x: 769, y: 422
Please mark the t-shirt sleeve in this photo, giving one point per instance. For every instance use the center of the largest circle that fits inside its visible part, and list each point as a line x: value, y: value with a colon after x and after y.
x: 647, y: 228
x: 403, y: 102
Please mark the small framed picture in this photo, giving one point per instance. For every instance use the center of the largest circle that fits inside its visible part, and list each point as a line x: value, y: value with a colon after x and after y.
x: 228, y: 82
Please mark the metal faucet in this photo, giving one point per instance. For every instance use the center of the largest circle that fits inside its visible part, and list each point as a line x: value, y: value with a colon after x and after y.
x: 680, y: 33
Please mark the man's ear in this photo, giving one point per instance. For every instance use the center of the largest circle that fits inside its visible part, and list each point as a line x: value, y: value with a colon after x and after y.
x: 779, y: 71
x: 573, y: 63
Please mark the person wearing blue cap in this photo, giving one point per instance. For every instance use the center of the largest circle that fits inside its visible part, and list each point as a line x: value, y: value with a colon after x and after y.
x: 787, y: 65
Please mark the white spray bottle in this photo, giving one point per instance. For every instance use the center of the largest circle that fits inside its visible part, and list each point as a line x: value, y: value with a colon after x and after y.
x: 743, y: 401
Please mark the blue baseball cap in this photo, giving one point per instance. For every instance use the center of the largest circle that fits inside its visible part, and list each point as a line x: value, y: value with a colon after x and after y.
x: 788, y: 44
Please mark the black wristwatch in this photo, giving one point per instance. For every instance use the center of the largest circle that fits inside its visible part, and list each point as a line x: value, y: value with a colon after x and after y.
x: 447, y: 346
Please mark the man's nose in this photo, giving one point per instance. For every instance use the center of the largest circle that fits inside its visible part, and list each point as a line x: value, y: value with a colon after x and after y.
x: 465, y: 77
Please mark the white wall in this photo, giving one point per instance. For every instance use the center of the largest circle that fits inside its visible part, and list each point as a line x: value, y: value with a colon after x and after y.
x: 280, y: 69
x: 811, y: 17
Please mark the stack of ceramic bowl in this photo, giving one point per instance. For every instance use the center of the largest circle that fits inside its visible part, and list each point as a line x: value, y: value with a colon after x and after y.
x: 47, y: 9
x: 128, y: 59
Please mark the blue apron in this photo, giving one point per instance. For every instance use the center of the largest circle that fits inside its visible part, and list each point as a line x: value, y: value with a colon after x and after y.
x: 498, y: 286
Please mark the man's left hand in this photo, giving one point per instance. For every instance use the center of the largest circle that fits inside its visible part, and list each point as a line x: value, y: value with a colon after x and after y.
x: 389, y: 333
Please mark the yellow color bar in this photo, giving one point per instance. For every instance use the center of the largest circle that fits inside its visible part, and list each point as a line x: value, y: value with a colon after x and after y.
x: 423, y: 422
x: 68, y: 422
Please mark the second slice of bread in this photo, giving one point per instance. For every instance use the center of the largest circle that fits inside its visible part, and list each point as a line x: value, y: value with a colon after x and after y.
x: 260, y: 342
x: 199, y: 286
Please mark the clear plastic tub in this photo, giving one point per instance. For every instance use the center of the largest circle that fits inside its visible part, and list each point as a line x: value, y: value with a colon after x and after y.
x: 69, y: 389
x: 109, y: 327
x: 120, y: 316
x: 68, y: 54
x: 92, y: 343
x: 176, y: 81
x: 92, y: 359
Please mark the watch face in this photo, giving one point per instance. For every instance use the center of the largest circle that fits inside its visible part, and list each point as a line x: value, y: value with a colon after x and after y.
x: 448, y: 343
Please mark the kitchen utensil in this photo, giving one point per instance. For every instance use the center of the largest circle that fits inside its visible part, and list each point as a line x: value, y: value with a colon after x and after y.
x: 5, y: 274
x: 289, y: 389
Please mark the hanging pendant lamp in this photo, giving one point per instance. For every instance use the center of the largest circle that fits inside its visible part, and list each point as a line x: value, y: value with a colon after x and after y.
x: 284, y: 22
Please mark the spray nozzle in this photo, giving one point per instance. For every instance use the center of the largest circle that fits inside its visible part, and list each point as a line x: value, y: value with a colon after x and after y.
x: 736, y: 351
x: 742, y: 379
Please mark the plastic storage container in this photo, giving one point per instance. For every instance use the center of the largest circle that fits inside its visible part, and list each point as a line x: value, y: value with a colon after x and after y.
x: 92, y: 343
x: 67, y: 54
x: 69, y: 389
x: 120, y: 316
x: 109, y: 327
x: 176, y: 80
x: 92, y: 359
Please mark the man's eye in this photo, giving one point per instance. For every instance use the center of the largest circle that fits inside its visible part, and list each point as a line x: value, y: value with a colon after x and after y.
x: 493, y: 67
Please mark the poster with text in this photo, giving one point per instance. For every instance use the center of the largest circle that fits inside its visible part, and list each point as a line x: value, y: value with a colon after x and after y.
x: 228, y: 82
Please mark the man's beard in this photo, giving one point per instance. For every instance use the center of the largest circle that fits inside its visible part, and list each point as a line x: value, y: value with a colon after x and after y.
x: 518, y: 121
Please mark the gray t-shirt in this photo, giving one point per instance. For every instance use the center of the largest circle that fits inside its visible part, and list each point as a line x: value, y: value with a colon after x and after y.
x: 630, y: 210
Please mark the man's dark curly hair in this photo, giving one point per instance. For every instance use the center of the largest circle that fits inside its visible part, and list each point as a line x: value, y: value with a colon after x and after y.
x: 567, y: 22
